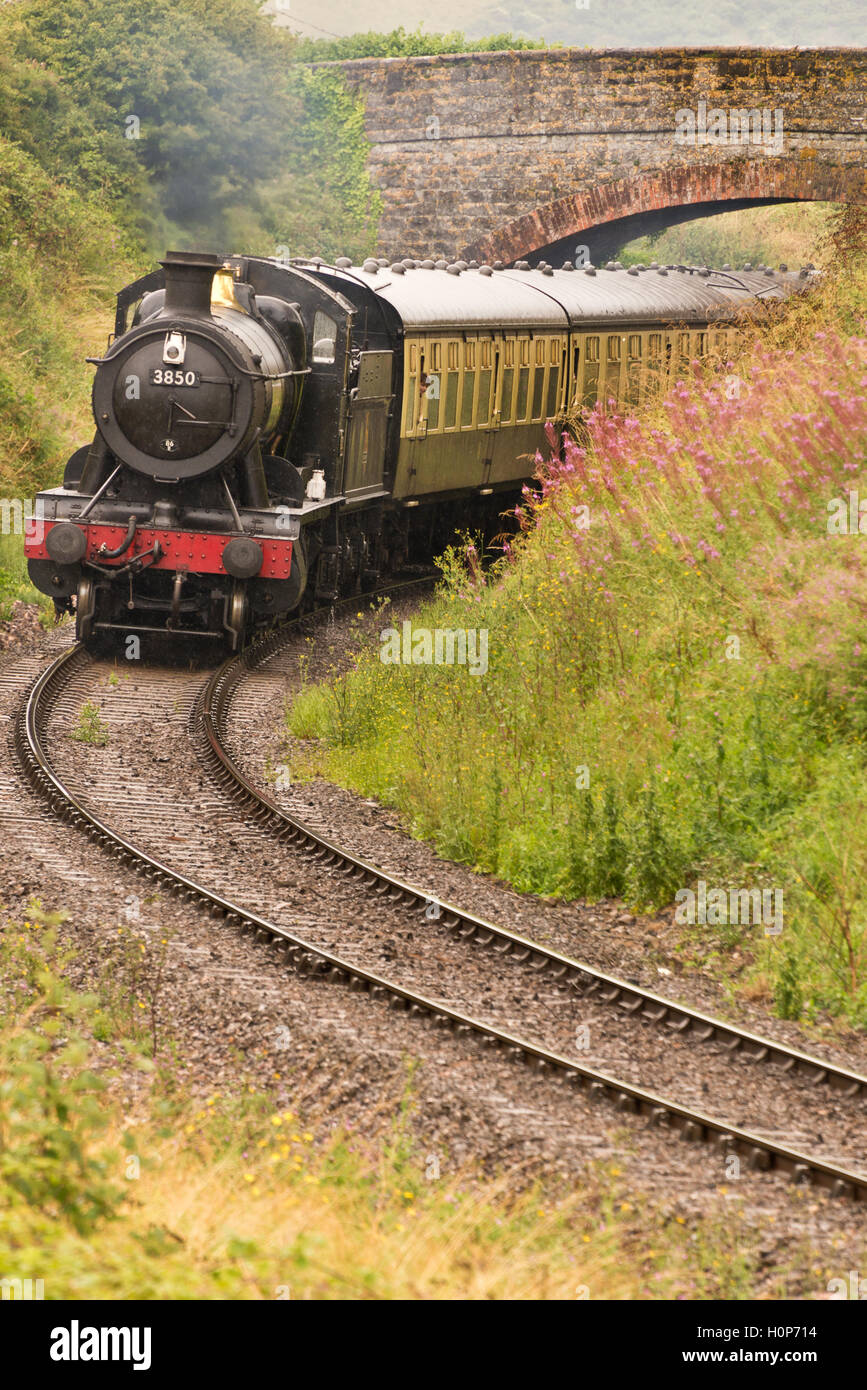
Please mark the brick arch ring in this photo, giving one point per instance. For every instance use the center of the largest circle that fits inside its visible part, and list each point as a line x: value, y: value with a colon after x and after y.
x: 801, y: 177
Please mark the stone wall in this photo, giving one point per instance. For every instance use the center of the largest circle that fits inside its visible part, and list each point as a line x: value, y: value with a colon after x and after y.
x: 498, y: 155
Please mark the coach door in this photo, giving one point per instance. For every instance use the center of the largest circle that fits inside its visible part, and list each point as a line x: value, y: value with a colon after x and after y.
x: 369, y: 410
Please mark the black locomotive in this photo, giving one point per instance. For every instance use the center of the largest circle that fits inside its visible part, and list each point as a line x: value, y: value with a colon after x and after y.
x: 270, y: 430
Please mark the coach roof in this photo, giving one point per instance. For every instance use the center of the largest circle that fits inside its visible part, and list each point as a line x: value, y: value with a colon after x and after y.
x: 429, y: 299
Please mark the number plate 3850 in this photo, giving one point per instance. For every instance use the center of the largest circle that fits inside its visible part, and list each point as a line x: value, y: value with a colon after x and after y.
x: 173, y: 376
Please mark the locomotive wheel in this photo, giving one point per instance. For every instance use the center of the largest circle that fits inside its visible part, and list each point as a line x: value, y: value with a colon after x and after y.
x: 235, y: 620
x: 85, y: 608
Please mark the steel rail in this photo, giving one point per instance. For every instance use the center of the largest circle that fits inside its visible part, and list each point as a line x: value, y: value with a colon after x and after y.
x: 692, y: 1125
x: 212, y: 709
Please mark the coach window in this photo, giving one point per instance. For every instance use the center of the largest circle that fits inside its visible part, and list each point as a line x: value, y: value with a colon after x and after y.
x: 522, y: 393
x: 451, y: 408
x: 613, y: 347
x: 701, y: 344
x: 555, y: 354
x: 538, y: 393
x: 430, y: 384
x: 483, y: 404
x: 468, y: 386
x: 410, y: 404
x: 683, y: 344
x: 506, y: 393
x: 324, y: 337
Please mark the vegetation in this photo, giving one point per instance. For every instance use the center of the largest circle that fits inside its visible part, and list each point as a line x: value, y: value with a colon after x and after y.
x: 400, y: 44
x: 792, y: 233
x: 89, y: 728
x: 676, y: 661
x: 190, y: 120
x: 243, y: 1195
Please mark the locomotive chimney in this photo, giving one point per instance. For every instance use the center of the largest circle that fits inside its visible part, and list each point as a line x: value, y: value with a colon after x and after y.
x: 189, y: 276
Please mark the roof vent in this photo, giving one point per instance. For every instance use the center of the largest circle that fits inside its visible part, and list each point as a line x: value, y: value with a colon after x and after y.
x: 485, y: 270
x: 809, y: 266
x: 462, y: 265
x: 640, y: 266
x: 783, y: 266
x: 453, y: 269
x: 617, y: 265
x: 398, y: 268
x: 803, y: 272
x: 440, y: 265
x: 610, y: 265
x: 726, y: 266
x: 662, y: 271
x: 567, y: 265
x: 409, y: 263
x: 498, y: 265
x: 371, y: 266
x: 547, y: 270
x: 654, y: 265
x: 747, y: 265
x: 589, y: 270
x: 769, y: 270
x: 473, y: 265
x: 704, y: 272
x: 426, y: 265
x: 633, y: 270
x: 382, y: 263
x: 343, y: 262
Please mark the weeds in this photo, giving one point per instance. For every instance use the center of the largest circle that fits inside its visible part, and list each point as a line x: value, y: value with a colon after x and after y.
x: 90, y: 728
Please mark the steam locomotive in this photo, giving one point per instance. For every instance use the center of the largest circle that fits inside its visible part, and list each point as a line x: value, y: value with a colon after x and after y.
x: 273, y: 432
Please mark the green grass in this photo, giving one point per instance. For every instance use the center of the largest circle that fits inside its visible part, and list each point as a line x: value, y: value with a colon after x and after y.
x: 674, y: 692
x: 15, y: 583
x: 792, y: 233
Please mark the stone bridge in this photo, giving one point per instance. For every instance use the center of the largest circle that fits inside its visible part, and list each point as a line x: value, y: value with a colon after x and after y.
x: 503, y: 156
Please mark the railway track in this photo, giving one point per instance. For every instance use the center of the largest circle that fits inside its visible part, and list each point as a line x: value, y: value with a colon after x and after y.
x: 208, y: 715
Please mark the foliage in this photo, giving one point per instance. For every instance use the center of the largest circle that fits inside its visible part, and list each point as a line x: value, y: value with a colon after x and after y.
x: 191, y: 120
x: 400, y: 44
x: 90, y: 728
x: 52, y: 1119
x: 790, y: 232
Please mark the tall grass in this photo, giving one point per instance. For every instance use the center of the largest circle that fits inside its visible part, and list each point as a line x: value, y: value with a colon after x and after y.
x: 254, y: 1195
x: 676, y: 684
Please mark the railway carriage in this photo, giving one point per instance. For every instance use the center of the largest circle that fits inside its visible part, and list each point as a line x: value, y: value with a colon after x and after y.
x: 273, y: 432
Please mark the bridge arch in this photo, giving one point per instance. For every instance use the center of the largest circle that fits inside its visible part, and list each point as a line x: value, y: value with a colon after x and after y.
x: 606, y: 217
